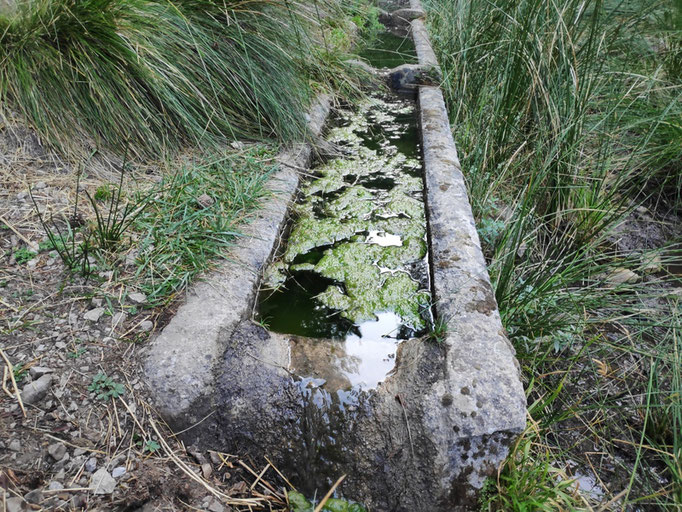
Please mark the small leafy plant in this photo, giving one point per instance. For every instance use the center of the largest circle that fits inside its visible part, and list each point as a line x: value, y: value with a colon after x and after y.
x: 23, y: 255
x: 151, y: 446
x: 105, y: 387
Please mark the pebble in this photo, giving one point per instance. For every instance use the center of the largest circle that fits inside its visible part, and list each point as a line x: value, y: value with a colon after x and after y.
x: 36, y: 390
x: 94, y: 314
x: 40, y: 185
x: 55, y: 486
x: 146, y: 326
x: 118, y: 471
x: 35, y: 496
x: 91, y: 465
x: 622, y: 276
x: 14, y: 505
x: 15, y: 446
x: 207, y: 470
x: 103, y: 482
x: 137, y: 298
x: 60, y: 345
x: 118, y: 319
x: 57, y: 451
x: 38, y: 371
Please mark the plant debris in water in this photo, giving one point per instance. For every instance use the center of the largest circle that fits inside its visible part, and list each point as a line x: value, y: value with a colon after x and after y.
x: 360, y: 227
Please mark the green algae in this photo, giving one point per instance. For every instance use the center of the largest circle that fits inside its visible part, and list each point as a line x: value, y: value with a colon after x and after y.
x: 360, y: 225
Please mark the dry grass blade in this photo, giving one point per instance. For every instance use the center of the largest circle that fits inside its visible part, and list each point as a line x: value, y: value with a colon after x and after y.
x: 228, y: 500
x: 329, y: 494
x: 14, y: 382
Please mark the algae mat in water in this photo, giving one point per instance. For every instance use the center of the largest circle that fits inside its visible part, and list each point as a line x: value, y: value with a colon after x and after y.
x: 358, y: 243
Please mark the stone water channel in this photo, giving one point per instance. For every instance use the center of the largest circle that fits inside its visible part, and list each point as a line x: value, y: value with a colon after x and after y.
x: 308, y: 345
x: 353, y: 277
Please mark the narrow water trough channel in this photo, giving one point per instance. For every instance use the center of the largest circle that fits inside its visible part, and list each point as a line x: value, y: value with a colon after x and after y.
x: 311, y: 345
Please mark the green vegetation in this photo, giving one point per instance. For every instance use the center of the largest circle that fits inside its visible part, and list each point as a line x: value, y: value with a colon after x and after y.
x: 568, y: 116
x: 360, y: 225
x: 23, y: 255
x: 157, y: 75
x: 299, y: 503
x: 105, y: 387
x: 190, y: 219
x: 174, y: 230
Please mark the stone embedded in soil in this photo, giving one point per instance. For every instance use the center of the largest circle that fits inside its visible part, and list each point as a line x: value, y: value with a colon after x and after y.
x: 38, y: 371
x: 102, y: 482
x: 35, y: 496
x: 15, y: 445
x: 57, y: 451
x: 36, y: 390
x: 137, y: 298
x: 91, y: 465
x: 146, y: 325
x: 622, y: 276
x: 118, y: 471
x: 94, y: 314
x: 15, y: 505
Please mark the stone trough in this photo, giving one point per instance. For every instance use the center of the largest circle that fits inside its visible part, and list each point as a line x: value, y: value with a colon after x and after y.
x: 423, y: 439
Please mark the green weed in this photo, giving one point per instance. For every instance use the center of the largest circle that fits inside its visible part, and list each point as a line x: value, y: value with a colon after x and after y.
x: 23, y: 255
x: 105, y: 387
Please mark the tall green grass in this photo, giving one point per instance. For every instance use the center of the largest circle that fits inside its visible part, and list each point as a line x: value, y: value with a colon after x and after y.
x: 567, y: 115
x: 157, y: 74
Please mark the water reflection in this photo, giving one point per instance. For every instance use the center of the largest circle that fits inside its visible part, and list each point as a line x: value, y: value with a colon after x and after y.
x: 359, y: 362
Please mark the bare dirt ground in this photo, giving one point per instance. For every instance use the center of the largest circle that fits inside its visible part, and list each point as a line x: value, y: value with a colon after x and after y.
x: 76, y: 431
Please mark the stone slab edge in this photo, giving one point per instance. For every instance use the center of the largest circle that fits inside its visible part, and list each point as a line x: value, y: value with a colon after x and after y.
x: 181, y: 361
x: 480, y: 360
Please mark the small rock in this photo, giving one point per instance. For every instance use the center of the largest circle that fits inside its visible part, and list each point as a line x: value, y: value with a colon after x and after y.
x: 35, y: 496
x: 38, y: 371
x: 15, y: 446
x: 205, y: 200
x: 79, y: 451
x: 137, y: 298
x: 215, y: 506
x: 622, y: 276
x: 102, y: 482
x: 57, y: 451
x: 94, y: 314
x: 60, y: 345
x: 36, y: 390
x: 118, y: 471
x: 118, y: 319
x: 91, y: 465
x: 146, y: 326
x: 40, y: 185
x: 14, y: 505
x: 652, y: 264
x: 55, y: 486
x: 80, y: 501
x: 97, y: 301
x: 206, y: 470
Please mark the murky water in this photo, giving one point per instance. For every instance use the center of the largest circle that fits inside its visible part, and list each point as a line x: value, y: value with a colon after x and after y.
x: 389, y: 51
x: 352, y: 280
